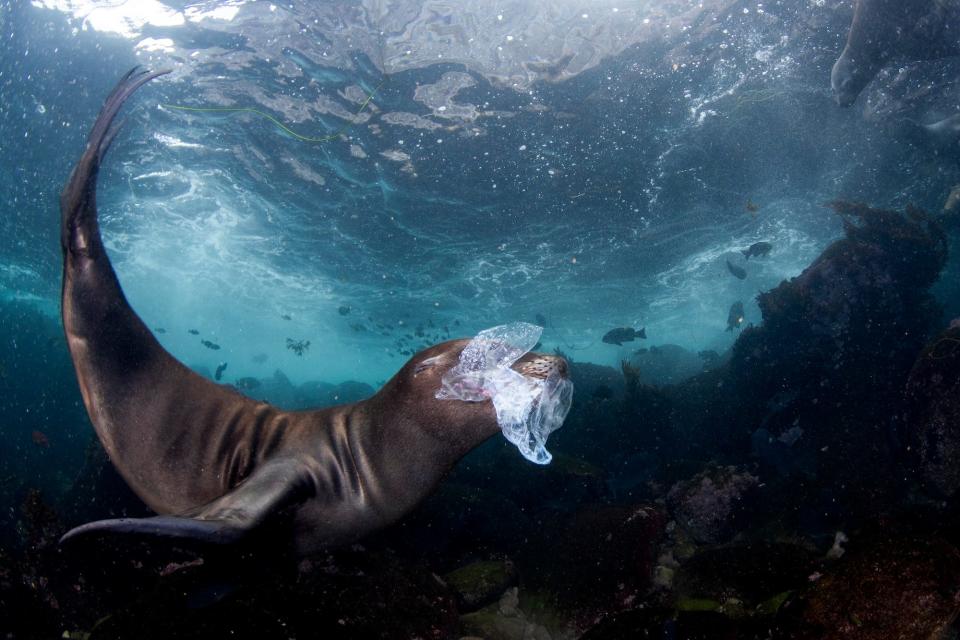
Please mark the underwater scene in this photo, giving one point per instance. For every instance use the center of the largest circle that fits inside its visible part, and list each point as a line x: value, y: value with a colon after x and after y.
x: 503, y: 320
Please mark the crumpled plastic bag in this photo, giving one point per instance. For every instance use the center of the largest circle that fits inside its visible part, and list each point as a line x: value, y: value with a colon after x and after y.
x: 528, y: 410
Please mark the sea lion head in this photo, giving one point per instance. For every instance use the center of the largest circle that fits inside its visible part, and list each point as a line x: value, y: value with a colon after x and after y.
x: 413, y: 393
x: 850, y: 76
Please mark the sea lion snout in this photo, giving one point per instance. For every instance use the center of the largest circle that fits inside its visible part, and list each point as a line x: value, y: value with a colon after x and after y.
x: 542, y: 366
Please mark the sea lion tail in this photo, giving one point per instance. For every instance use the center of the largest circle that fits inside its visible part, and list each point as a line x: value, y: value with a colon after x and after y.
x: 78, y: 198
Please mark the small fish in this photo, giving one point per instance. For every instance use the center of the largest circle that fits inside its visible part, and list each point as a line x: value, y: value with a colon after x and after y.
x: 751, y: 207
x: 159, y: 329
x: 286, y: 316
x: 757, y: 249
x: 247, y: 384
x: 738, y: 272
x: 623, y: 334
x: 193, y: 332
x: 541, y: 319
x: 298, y: 346
x: 358, y: 327
x: 260, y: 358
x: 220, y: 369
x: 735, y: 317
x: 344, y: 310
x: 40, y: 439
x: 210, y: 345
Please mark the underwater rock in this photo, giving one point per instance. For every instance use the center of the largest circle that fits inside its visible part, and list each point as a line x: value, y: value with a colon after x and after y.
x: 658, y: 622
x: 587, y: 376
x: 277, y: 390
x: 932, y: 423
x: 347, y: 594
x: 23, y: 612
x: 832, y: 357
x: 891, y: 588
x: 666, y: 364
x: 595, y: 562
x: 464, y: 521
x: 609, y: 433
x: 503, y: 621
x: 480, y: 583
x: 40, y: 525
x: 567, y: 479
x: 751, y: 574
x: 314, y: 393
x: 713, y: 505
x: 863, y: 302
x: 648, y: 622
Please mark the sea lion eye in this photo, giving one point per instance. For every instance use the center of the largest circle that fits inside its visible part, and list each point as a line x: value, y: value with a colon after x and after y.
x: 426, y: 364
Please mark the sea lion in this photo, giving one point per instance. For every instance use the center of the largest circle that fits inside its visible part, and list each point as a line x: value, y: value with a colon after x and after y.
x: 219, y: 465
x: 883, y: 31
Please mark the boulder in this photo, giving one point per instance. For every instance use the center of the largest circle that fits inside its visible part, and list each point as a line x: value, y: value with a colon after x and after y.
x: 713, y: 505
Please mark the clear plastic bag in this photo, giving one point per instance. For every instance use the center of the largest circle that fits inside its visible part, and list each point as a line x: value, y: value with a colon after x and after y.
x: 528, y: 409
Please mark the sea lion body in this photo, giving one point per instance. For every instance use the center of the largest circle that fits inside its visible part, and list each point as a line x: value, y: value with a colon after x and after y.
x: 221, y: 464
x: 884, y: 31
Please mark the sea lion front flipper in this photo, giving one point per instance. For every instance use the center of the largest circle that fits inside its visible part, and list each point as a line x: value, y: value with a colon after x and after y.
x: 229, y: 519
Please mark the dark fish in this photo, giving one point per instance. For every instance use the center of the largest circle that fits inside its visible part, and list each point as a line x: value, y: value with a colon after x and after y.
x: 220, y: 369
x: 344, y: 310
x: 286, y: 316
x: 358, y: 327
x: 247, y: 384
x: 738, y: 272
x: 757, y: 250
x: 456, y: 323
x: 210, y: 345
x: 193, y: 332
x: 298, y: 346
x: 735, y: 317
x: 751, y: 207
x: 623, y: 334
x: 40, y: 439
x: 708, y: 355
x: 541, y: 319
x: 160, y: 330
x: 260, y: 358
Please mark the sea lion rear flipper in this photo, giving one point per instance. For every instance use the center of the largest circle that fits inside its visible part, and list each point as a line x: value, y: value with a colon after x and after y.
x: 229, y: 519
